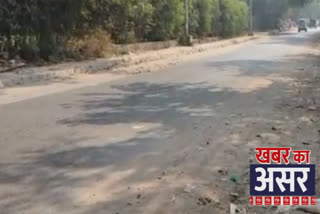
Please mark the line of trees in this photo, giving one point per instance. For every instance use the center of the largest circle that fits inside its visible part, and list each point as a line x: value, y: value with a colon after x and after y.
x: 270, y: 14
x: 43, y: 28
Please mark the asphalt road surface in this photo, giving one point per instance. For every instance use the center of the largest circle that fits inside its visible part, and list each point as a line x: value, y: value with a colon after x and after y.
x: 150, y: 143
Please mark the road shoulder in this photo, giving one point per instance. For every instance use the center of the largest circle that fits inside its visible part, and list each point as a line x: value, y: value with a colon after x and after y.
x: 36, y: 82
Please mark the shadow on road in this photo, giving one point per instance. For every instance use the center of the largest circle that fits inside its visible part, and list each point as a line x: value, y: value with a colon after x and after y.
x: 126, y: 176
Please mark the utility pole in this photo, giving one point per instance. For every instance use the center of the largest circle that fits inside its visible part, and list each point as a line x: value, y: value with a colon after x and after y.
x: 251, y: 18
x: 187, y: 17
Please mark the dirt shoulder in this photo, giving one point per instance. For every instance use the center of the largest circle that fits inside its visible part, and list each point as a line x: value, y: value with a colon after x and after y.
x: 39, y: 81
x: 294, y: 122
x: 130, y: 63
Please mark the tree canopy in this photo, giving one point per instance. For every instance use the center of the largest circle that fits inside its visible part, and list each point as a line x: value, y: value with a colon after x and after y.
x: 42, y: 28
x: 269, y: 14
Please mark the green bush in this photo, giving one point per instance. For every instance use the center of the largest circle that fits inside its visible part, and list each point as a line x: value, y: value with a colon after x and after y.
x: 205, y: 8
x: 29, y: 51
x: 234, y: 17
x: 90, y: 43
x: 167, y: 20
x: 48, y: 27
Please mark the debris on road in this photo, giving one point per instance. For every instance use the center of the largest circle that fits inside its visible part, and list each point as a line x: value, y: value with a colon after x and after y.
x: 234, y: 209
x: 173, y: 199
x: 204, y: 201
x: 312, y: 108
x: 234, y: 178
x: 234, y: 196
x: 275, y: 128
x: 222, y: 171
x: 306, y: 120
x: 200, y: 148
x: 251, y: 160
x: 189, y: 188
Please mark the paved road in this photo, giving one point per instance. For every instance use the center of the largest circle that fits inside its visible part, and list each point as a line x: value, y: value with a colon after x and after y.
x: 141, y: 144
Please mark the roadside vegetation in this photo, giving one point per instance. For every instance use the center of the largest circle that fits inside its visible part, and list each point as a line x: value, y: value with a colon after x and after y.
x: 276, y: 14
x: 53, y: 30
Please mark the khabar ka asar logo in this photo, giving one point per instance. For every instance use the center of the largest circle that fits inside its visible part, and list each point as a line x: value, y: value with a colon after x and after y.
x: 274, y: 181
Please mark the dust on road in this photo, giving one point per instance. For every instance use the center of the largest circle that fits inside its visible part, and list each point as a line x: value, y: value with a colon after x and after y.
x: 161, y: 144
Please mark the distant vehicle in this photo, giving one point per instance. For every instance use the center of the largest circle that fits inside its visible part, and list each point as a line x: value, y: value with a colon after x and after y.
x: 302, y: 26
x: 313, y: 23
